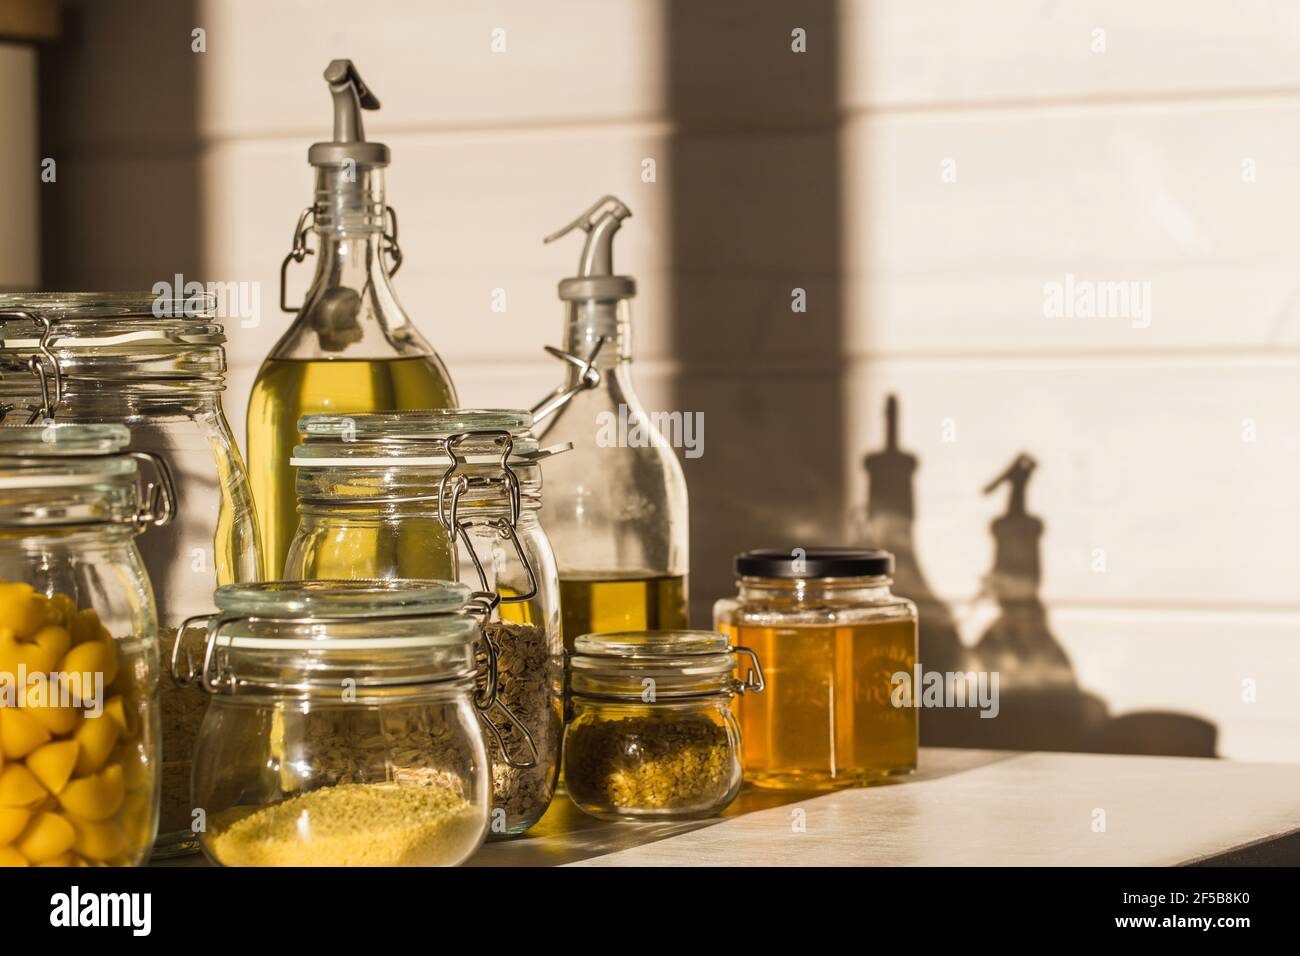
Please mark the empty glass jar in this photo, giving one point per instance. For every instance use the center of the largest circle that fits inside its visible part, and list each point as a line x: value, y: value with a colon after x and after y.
x: 652, y: 734
x: 450, y: 494
x: 156, y: 365
x: 834, y: 641
x: 343, y: 726
x: 78, y: 648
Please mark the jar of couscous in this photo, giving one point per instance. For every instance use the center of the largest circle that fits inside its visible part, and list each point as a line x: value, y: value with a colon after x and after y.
x: 652, y: 734
x: 79, y: 724
x: 343, y: 724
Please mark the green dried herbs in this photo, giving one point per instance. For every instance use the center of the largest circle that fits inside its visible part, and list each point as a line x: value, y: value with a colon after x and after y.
x: 682, y: 762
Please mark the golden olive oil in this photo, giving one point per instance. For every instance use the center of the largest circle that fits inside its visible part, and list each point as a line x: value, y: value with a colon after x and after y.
x: 826, y: 719
x: 594, y: 603
x: 289, y: 388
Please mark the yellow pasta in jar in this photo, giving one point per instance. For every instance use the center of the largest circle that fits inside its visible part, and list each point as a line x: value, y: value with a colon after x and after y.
x: 20, y: 788
x: 53, y: 764
x: 49, y: 835
x: 20, y: 733
x: 76, y: 786
x: 96, y: 797
x: 95, y: 738
x: 20, y: 610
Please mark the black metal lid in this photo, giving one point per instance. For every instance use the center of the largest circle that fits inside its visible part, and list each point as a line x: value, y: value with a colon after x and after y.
x: 815, y: 563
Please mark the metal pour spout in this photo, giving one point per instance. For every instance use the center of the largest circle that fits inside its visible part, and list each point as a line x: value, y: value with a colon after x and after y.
x: 595, y: 278
x: 351, y: 95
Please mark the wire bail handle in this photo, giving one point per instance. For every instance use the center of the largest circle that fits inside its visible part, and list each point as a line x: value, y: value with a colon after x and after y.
x: 297, y: 253
x: 486, y: 698
x: 588, y: 378
x: 300, y: 250
x: 487, y: 599
x: 754, y: 680
x: 186, y: 677
x: 450, y: 489
x: 51, y: 382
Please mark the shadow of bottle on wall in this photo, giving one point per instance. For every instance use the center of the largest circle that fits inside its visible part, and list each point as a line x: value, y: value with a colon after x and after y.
x: 1040, y: 704
x: 888, y: 524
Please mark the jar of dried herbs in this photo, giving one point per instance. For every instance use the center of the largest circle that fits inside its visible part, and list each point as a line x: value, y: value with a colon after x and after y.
x: 652, y: 734
x: 343, y: 725
x: 451, y: 494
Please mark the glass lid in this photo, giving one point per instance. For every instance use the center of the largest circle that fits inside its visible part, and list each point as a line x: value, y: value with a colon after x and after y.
x: 651, y: 645
x: 106, y: 305
x: 83, y: 339
x: 431, y: 425
x: 418, y: 438
x: 342, y: 599
x: 79, y: 474
x: 63, y: 441
x: 692, y: 654
x: 291, y: 636
x: 648, y: 665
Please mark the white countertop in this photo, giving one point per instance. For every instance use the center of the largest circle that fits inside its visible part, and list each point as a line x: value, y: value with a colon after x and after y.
x: 962, y: 807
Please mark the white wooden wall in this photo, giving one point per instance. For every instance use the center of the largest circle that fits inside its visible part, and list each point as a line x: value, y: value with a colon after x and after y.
x: 1126, y: 164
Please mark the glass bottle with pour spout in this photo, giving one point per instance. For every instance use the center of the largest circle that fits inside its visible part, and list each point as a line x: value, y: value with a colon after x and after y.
x: 617, y: 512
x: 351, y: 347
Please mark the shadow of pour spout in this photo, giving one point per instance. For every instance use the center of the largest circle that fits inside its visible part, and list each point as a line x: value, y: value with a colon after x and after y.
x: 1040, y: 706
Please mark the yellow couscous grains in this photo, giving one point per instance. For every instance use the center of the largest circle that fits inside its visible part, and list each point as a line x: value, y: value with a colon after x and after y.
x: 355, y: 824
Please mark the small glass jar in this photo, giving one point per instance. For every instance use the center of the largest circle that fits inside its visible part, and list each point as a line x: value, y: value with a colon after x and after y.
x: 156, y: 365
x: 652, y: 735
x: 834, y: 640
x: 343, y: 726
x: 450, y: 494
x: 79, y: 721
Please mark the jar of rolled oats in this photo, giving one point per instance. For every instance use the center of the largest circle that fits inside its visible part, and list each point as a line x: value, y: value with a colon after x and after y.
x: 652, y: 734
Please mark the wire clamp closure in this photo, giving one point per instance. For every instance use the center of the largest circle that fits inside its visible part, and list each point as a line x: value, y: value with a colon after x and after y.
x: 588, y: 378
x: 44, y: 365
x: 299, y: 252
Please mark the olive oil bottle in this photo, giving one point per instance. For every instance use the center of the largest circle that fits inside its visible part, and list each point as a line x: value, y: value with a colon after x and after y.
x: 351, y: 347
x: 594, y: 603
x: 287, y: 389
x: 616, y: 507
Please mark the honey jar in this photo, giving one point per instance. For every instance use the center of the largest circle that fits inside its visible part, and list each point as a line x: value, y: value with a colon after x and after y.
x: 833, y: 638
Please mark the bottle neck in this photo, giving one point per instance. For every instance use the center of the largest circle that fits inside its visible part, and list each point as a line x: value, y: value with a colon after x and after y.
x: 351, y: 296
x: 586, y: 321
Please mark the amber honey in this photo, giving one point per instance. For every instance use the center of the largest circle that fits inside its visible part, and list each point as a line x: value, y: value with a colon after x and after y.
x: 827, y: 718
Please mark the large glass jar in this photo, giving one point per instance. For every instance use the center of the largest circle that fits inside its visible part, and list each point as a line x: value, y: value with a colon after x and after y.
x: 156, y: 365
x: 839, y: 649
x: 343, y: 725
x: 450, y: 494
x: 78, y: 648
x: 652, y: 734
